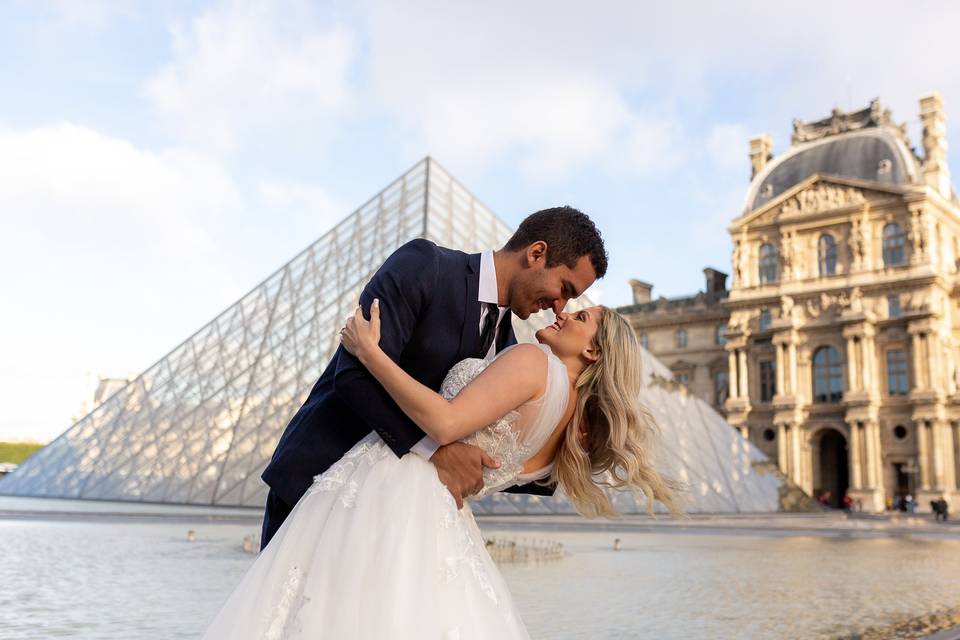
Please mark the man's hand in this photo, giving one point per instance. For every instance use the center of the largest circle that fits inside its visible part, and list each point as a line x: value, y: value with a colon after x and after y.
x: 460, y: 467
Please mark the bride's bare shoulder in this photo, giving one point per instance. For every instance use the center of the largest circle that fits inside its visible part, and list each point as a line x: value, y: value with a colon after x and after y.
x: 522, y: 361
x: 525, y: 353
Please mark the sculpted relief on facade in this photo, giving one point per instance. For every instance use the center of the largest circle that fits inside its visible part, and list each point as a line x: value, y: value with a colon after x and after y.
x: 822, y: 197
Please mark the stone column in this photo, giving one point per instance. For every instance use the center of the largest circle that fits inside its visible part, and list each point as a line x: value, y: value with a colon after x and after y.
x: 951, y: 381
x: 796, y: 459
x: 781, y: 390
x: 855, y: 455
x: 916, y: 349
x: 872, y: 473
x: 742, y: 378
x: 936, y: 171
x: 923, y: 456
x: 877, y: 456
x: 732, y: 375
x: 937, y: 449
x: 782, y: 448
x: 760, y: 150
x: 852, y: 379
x: 930, y: 342
x: 792, y: 350
x: 934, y: 362
x: 869, y: 374
x: 953, y: 464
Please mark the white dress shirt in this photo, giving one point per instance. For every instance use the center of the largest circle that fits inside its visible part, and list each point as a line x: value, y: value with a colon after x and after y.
x: 487, y: 292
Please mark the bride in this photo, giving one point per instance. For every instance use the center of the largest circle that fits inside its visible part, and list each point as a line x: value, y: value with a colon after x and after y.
x: 377, y: 548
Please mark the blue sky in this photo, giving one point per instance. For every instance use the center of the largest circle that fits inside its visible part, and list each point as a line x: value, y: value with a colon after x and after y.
x: 159, y: 159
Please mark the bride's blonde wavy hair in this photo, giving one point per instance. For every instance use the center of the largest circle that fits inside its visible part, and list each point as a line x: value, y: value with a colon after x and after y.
x: 607, y: 442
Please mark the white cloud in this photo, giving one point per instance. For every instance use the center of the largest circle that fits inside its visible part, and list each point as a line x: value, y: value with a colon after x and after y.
x: 476, y: 87
x: 244, y: 66
x: 300, y: 205
x: 77, y: 172
x: 111, y: 256
x: 92, y: 15
x: 115, y: 253
x: 728, y: 146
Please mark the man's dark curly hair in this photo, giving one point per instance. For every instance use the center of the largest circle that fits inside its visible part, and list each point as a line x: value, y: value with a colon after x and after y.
x: 569, y: 234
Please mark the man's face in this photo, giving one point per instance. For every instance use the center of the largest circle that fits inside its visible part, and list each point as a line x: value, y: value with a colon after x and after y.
x: 540, y: 287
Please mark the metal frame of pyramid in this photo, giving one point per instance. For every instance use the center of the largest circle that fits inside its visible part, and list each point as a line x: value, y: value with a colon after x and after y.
x: 200, y: 425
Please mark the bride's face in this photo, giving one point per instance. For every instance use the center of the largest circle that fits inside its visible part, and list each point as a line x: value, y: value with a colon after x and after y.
x: 573, y: 333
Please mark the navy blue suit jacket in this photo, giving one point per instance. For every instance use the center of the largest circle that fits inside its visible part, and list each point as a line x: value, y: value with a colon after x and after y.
x: 429, y: 322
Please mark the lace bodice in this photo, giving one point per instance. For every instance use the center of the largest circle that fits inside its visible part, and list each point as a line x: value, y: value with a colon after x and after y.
x: 517, y: 436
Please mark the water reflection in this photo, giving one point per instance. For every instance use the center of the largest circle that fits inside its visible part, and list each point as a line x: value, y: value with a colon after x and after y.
x: 113, y: 579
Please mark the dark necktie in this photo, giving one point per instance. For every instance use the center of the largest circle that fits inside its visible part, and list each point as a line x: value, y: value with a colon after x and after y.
x: 489, y: 329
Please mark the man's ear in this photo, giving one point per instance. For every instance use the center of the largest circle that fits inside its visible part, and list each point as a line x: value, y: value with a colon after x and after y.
x: 536, y: 253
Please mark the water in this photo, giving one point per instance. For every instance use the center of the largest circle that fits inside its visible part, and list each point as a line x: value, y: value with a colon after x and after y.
x: 106, y: 578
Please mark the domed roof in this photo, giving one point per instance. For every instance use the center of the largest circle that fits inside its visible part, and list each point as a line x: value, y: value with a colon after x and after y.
x: 875, y: 154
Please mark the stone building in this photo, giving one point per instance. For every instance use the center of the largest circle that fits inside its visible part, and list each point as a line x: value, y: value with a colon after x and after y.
x: 838, y: 337
x: 687, y: 334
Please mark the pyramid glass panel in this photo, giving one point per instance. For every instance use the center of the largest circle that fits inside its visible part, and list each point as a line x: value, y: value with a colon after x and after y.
x: 200, y: 425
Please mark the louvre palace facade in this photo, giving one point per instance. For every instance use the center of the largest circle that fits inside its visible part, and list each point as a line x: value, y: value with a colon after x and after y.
x: 835, y: 347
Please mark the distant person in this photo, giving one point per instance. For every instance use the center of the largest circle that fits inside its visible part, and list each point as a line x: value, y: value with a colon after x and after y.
x: 824, y: 500
x: 847, y: 503
x: 939, y: 508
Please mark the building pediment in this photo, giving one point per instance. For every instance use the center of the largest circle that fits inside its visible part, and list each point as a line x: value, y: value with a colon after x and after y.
x: 817, y: 194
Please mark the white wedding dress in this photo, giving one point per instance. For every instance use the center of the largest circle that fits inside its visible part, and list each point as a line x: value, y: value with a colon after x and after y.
x: 377, y: 549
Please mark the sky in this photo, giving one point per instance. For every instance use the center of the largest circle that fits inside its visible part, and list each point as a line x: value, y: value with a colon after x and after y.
x: 159, y: 159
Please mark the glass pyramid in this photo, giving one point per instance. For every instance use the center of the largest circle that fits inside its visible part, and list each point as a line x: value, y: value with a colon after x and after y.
x: 200, y: 425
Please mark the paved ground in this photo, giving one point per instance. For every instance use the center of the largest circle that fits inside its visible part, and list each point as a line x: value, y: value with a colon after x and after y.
x: 833, y: 523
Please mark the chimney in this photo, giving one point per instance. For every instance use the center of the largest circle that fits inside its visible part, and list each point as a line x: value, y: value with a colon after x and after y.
x: 761, y: 149
x: 641, y: 291
x: 936, y: 173
x: 716, y: 280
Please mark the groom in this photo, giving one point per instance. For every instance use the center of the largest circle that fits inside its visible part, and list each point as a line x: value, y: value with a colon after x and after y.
x: 439, y: 306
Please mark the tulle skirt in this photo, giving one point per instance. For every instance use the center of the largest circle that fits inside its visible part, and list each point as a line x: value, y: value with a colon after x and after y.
x: 375, y: 549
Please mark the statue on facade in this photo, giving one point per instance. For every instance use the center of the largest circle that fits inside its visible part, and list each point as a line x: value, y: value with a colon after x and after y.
x: 736, y: 263
x: 856, y: 300
x: 857, y: 243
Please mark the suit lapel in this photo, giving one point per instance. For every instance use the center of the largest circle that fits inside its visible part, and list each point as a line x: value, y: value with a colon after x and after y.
x: 470, y: 332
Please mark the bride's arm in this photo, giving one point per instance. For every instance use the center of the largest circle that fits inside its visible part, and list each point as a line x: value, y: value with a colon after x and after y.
x: 512, y: 379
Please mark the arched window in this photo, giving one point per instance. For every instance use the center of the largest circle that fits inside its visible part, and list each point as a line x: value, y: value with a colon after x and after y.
x: 644, y: 341
x: 827, y: 375
x: 721, y: 334
x: 681, y: 338
x: 768, y: 263
x: 894, y: 241
x: 827, y: 255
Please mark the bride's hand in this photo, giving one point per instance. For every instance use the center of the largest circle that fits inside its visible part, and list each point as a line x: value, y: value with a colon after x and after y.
x: 361, y: 337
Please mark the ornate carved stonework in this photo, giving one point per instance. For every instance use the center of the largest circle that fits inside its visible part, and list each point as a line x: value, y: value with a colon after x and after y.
x: 822, y: 197
x: 826, y: 303
x: 916, y: 300
x: 857, y: 243
x: 839, y: 122
x: 739, y: 321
